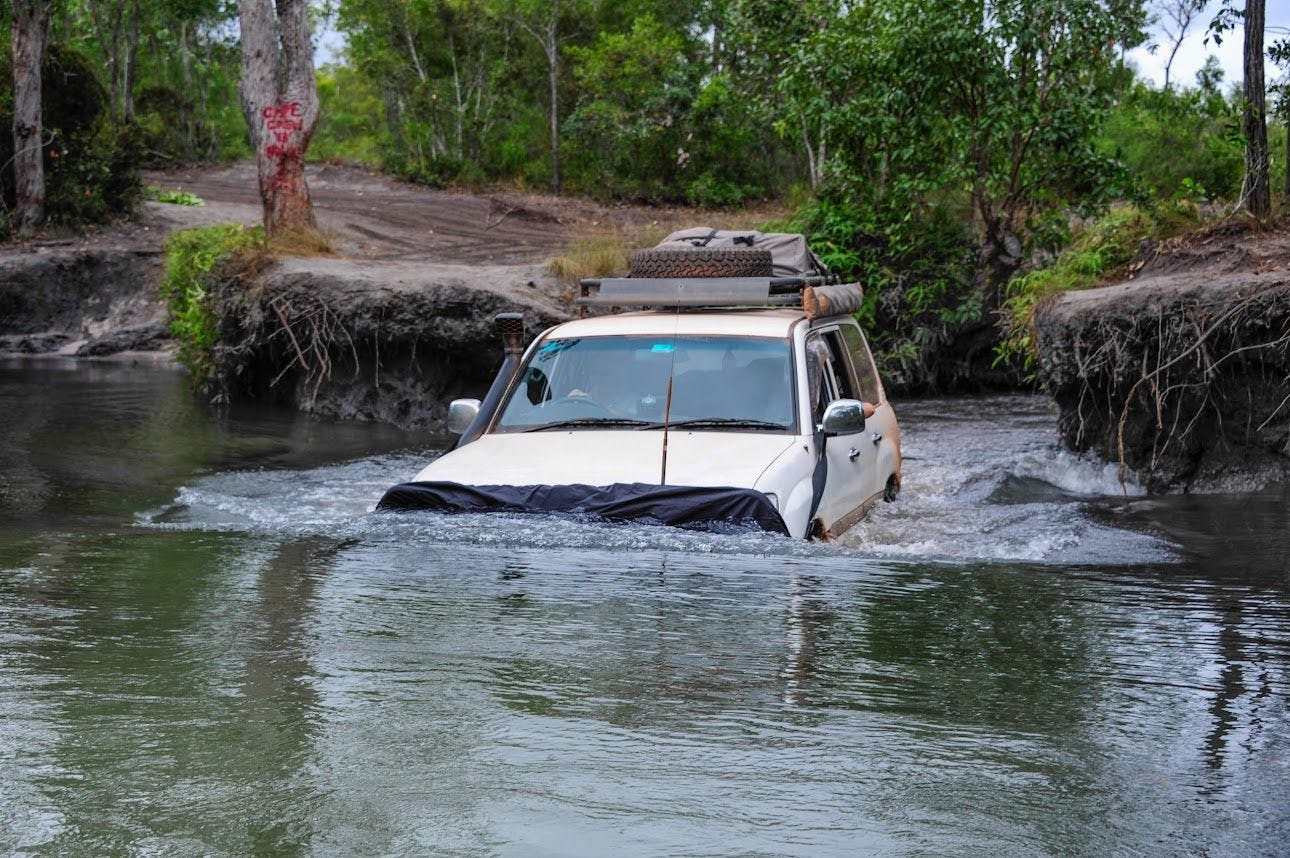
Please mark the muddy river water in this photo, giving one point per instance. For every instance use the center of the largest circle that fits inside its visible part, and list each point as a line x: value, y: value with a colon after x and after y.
x: 209, y: 646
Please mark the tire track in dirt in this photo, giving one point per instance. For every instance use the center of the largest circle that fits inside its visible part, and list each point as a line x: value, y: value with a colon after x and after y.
x: 377, y: 217
x: 374, y: 216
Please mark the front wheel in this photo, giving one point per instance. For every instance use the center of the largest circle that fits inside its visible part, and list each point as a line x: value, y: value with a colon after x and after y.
x: 892, y: 491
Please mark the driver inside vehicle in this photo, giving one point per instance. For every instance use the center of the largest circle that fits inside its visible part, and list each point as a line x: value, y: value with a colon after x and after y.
x: 603, y: 384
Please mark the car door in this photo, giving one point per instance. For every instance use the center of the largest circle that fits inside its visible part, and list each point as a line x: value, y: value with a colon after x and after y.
x: 882, y: 435
x: 846, y: 456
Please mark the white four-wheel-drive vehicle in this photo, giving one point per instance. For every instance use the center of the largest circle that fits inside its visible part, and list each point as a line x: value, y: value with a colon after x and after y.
x: 743, y: 397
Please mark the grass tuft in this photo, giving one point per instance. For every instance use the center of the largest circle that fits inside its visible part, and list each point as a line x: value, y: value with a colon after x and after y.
x: 177, y: 197
x: 594, y: 255
x: 308, y: 241
x: 193, y: 258
x: 1099, y: 252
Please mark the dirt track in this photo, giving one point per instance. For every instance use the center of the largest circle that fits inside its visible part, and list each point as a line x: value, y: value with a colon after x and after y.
x: 376, y: 217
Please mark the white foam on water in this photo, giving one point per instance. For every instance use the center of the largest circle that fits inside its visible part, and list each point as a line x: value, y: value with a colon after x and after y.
x: 285, y: 501
x: 337, y: 501
x: 1078, y: 475
x: 984, y: 479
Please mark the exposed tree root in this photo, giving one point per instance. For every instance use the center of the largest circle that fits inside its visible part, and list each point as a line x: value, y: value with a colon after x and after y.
x: 314, y: 331
x: 1165, y: 386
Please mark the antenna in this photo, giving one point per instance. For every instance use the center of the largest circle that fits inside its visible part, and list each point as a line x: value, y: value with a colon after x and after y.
x: 667, y: 405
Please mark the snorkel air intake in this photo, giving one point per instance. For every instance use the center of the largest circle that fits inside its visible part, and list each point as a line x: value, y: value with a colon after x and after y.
x: 511, y: 328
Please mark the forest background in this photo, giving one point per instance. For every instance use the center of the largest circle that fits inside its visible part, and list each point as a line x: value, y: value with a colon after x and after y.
x: 962, y: 159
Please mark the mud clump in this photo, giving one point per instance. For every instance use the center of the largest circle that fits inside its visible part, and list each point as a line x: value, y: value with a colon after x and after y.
x: 388, y: 342
x: 1183, y: 374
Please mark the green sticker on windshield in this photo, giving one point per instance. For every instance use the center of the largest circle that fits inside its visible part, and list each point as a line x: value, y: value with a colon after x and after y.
x: 663, y: 347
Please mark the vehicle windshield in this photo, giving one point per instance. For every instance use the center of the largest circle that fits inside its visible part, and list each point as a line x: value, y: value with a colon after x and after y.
x: 732, y: 383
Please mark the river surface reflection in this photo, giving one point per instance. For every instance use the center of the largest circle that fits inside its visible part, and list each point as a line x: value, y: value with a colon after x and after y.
x: 209, y: 646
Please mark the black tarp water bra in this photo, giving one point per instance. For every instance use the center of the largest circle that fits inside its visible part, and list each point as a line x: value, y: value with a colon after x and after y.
x: 689, y: 507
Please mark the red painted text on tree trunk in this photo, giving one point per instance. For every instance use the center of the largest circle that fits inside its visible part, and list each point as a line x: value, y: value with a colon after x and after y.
x: 282, y: 122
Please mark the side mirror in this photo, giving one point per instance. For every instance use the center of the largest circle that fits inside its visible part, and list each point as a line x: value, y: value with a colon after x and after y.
x: 843, y: 417
x: 461, y: 413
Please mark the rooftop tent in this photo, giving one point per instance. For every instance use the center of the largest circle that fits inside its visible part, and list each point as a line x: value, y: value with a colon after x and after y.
x: 791, y: 255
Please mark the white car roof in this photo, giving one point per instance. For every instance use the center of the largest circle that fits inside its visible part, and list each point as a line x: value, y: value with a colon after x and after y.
x: 744, y: 323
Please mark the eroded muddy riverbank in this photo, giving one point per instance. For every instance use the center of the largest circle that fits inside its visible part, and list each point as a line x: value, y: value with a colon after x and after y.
x: 212, y: 647
x: 1183, y: 372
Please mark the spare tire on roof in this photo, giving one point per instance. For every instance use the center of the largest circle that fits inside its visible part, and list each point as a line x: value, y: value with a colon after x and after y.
x: 702, y: 262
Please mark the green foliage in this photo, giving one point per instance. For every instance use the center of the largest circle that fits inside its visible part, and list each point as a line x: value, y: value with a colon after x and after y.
x: 917, y: 275
x: 1101, y: 248
x: 919, y: 99
x: 460, y: 88
x: 193, y: 257
x: 945, y: 140
x: 90, y: 160
x: 649, y: 126
x: 176, y: 197
x: 712, y: 191
x: 647, y: 110
x: 346, y: 129
x: 635, y: 88
x: 956, y: 137
x: 168, y: 68
x: 1168, y: 139
x: 731, y: 153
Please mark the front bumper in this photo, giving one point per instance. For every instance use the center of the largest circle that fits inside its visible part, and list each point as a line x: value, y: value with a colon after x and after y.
x: 689, y: 507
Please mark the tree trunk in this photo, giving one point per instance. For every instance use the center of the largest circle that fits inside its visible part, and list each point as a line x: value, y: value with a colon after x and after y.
x: 458, y: 108
x: 280, y: 103
x: 1286, y: 190
x: 547, y: 36
x: 812, y: 168
x: 130, y: 70
x: 210, y: 135
x: 553, y: 59
x: 998, y: 260
x: 1257, y: 198
x: 107, y: 17
x: 1169, y: 63
x: 30, y: 30
x: 186, y: 75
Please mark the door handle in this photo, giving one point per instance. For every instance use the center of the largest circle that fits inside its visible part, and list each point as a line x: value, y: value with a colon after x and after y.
x: 853, y: 454
x: 877, y: 438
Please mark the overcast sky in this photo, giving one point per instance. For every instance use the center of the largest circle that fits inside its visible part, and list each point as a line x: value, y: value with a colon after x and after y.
x: 1191, y: 56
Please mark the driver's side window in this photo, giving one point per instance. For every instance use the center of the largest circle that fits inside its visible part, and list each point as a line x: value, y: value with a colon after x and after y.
x: 827, y: 371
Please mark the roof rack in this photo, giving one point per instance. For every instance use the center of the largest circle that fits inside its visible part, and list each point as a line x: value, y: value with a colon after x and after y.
x: 695, y: 292
x: 814, y: 295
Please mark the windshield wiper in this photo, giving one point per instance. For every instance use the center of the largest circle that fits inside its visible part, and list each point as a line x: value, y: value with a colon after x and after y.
x: 721, y: 423
x: 587, y: 421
